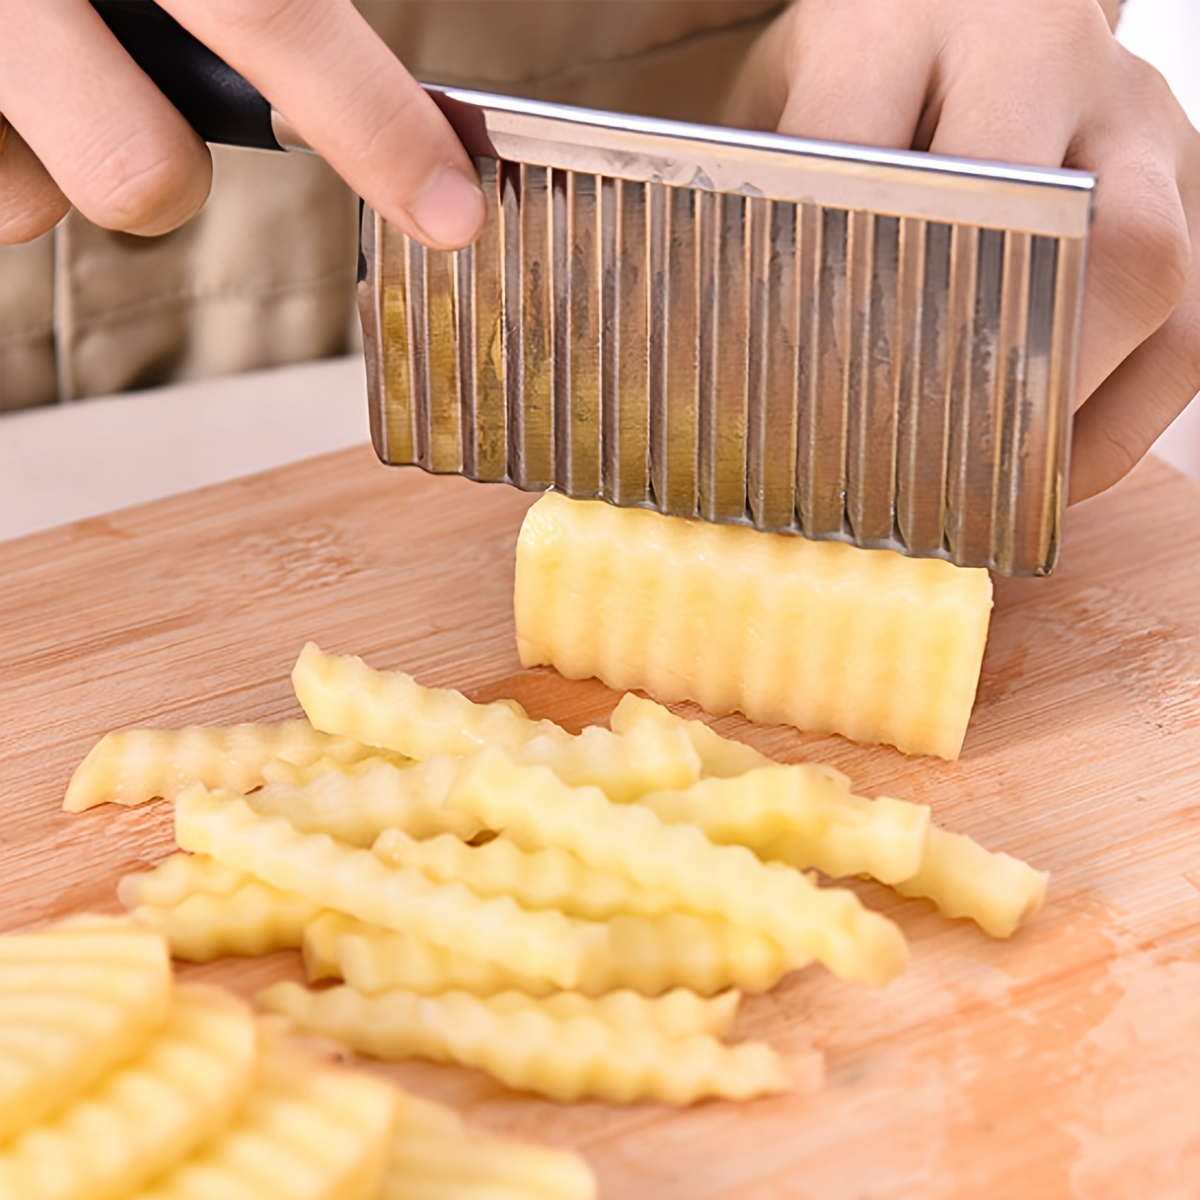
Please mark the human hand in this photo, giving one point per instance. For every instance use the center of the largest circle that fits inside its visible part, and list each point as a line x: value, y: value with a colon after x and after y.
x: 1041, y: 82
x: 87, y: 127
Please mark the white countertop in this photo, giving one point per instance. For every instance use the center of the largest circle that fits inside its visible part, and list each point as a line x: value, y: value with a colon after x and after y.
x: 70, y: 461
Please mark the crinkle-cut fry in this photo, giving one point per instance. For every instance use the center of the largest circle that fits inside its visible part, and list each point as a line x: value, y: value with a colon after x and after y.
x: 996, y: 890
x: 720, y: 757
x: 547, y: 878
x: 650, y: 756
x: 308, y: 1132
x: 182, y: 1089
x: 133, y: 766
x: 355, y: 808
x: 529, y: 1050
x: 176, y: 878
x: 829, y: 637
x: 352, y: 881
x: 432, y: 1156
x: 805, y: 816
x: 253, y: 920
x: 73, y: 1004
x: 342, y: 695
x: 830, y: 924
x: 373, y: 959
x: 704, y: 954
x: 677, y: 1013
x: 298, y: 774
x: 674, y: 1013
x: 390, y: 709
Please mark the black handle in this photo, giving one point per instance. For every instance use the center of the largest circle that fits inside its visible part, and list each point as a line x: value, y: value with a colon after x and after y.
x: 216, y: 101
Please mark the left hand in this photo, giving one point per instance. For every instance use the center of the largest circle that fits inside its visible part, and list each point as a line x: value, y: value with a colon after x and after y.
x: 1041, y: 82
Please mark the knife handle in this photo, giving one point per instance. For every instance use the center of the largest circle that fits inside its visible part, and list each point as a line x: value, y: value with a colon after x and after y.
x: 217, y: 102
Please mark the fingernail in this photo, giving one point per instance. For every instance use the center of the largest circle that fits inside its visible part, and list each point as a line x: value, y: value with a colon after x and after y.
x: 450, y: 211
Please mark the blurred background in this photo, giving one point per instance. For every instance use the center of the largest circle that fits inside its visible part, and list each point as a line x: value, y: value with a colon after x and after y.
x: 61, y: 463
x: 1167, y: 34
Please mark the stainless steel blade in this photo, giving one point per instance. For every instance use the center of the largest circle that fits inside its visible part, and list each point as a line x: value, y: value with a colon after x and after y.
x: 828, y: 340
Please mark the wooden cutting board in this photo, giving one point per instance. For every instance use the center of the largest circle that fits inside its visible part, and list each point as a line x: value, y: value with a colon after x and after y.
x: 1065, y: 1062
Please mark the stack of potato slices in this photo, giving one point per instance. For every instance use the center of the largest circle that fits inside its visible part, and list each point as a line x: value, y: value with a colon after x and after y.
x: 116, y: 1083
x: 575, y: 914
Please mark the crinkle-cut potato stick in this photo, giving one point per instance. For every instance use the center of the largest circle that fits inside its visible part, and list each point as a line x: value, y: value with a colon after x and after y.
x: 133, y: 766
x: 176, y: 878
x: 73, y: 1004
x: 963, y: 879
x: 830, y: 924
x: 342, y: 695
x: 355, y: 808
x: 547, y: 878
x: 307, y: 1132
x: 373, y: 959
x: 253, y: 920
x: 182, y: 1089
x: 807, y: 811
x: 298, y: 775
x: 651, y: 955
x: 648, y: 757
x: 352, y: 881
x: 529, y: 1050
x: 677, y: 1013
x: 390, y: 709
x: 831, y: 638
x: 720, y: 757
x: 432, y: 1156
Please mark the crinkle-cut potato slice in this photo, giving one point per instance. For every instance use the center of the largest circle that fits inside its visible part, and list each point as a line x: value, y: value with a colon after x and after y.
x: 342, y: 695
x: 183, y: 1088
x: 355, y: 882
x: 720, y: 757
x: 993, y: 889
x: 547, y: 878
x: 74, y: 1002
x: 308, y: 1131
x: 806, y: 816
x: 825, y: 636
x: 529, y: 1050
x: 357, y: 806
x: 176, y: 878
x: 433, y: 1156
x: 651, y: 955
x: 254, y: 919
x: 830, y: 924
x: 133, y: 766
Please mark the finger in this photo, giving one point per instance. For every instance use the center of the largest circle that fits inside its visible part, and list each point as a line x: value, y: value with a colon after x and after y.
x: 113, y: 143
x: 993, y: 104
x: 30, y: 201
x: 1139, y: 250
x: 1123, y: 418
x: 857, y: 72
x: 321, y: 65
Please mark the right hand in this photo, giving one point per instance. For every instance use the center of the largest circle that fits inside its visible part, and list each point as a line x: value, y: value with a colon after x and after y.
x: 87, y: 127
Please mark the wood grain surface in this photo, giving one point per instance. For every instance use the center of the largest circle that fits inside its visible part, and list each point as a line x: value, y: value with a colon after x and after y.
x: 1064, y: 1063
